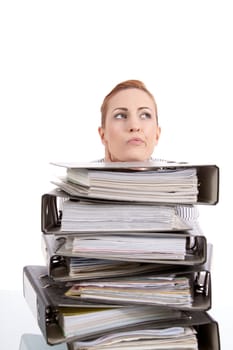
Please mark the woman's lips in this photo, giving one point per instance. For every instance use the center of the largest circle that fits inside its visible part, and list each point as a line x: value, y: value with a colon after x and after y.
x: 135, y: 141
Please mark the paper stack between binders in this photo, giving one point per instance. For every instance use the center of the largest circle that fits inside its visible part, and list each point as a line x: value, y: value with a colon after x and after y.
x: 127, y: 265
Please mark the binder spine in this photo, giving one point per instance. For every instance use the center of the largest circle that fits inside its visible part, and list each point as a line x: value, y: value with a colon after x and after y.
x: 36, y: 301
x: 45, y: 312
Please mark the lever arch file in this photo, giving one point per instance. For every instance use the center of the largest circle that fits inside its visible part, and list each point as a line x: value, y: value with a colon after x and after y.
x: 60, y: 215
x: 52, y: 205
x: 52, y: 295
x: 116, y: 180
x: 207, y: 331
x: 65, y: 265
x: 62, y: 267
x: 189, y: 289
x: 47, y: 301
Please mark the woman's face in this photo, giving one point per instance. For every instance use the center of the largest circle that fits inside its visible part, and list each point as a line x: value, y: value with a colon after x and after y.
x: 131, y: 131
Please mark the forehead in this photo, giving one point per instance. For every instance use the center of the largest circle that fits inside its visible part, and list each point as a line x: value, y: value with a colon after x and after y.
x: 131, y: 98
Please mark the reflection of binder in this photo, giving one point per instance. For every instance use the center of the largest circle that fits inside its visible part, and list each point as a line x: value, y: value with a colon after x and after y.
x: 45, y: 298
x: 207, y: 176
x: 37, y: 342
x: 59, y: 260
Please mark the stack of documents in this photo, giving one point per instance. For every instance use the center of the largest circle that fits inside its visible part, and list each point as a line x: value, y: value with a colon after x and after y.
x: 135, y: 248
x: 174, y: 338
x: 88, y: 268
x: 167, y: 290
x: 127, y: 265
x: 161, y: 185
x: 87, y: 322
x: 89, y: 216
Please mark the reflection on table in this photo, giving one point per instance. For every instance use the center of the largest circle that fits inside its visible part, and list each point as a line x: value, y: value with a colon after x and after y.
x: 37, y: 342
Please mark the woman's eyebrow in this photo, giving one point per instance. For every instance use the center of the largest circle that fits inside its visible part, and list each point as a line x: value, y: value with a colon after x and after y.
x: 126, y: 109
x: 144, y: 108
x: 121, y: 108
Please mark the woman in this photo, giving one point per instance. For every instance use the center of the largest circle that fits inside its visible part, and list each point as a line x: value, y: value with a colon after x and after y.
x: 129, y: 127
x: 130, y: 131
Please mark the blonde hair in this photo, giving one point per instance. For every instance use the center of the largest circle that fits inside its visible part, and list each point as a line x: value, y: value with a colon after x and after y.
x: 127, y: 84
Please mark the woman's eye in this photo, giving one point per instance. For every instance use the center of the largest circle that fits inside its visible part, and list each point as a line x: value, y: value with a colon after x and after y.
x: 120, y: 116
x: 145, y: 116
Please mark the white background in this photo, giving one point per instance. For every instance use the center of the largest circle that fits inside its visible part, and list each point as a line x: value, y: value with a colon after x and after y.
x: 60, y: 58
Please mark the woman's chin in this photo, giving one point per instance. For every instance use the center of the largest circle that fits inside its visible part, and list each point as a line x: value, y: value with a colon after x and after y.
x: 133, y: 158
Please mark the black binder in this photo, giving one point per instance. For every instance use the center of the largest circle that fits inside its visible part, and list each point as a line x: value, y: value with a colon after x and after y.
x: 45, y: 297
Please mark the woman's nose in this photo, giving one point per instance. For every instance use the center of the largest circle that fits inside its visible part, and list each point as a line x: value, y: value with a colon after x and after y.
x: 134, y: 124
x: 134, y: 129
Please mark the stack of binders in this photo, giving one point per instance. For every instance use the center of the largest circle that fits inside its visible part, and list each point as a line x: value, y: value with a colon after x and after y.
x: 127, y: 265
